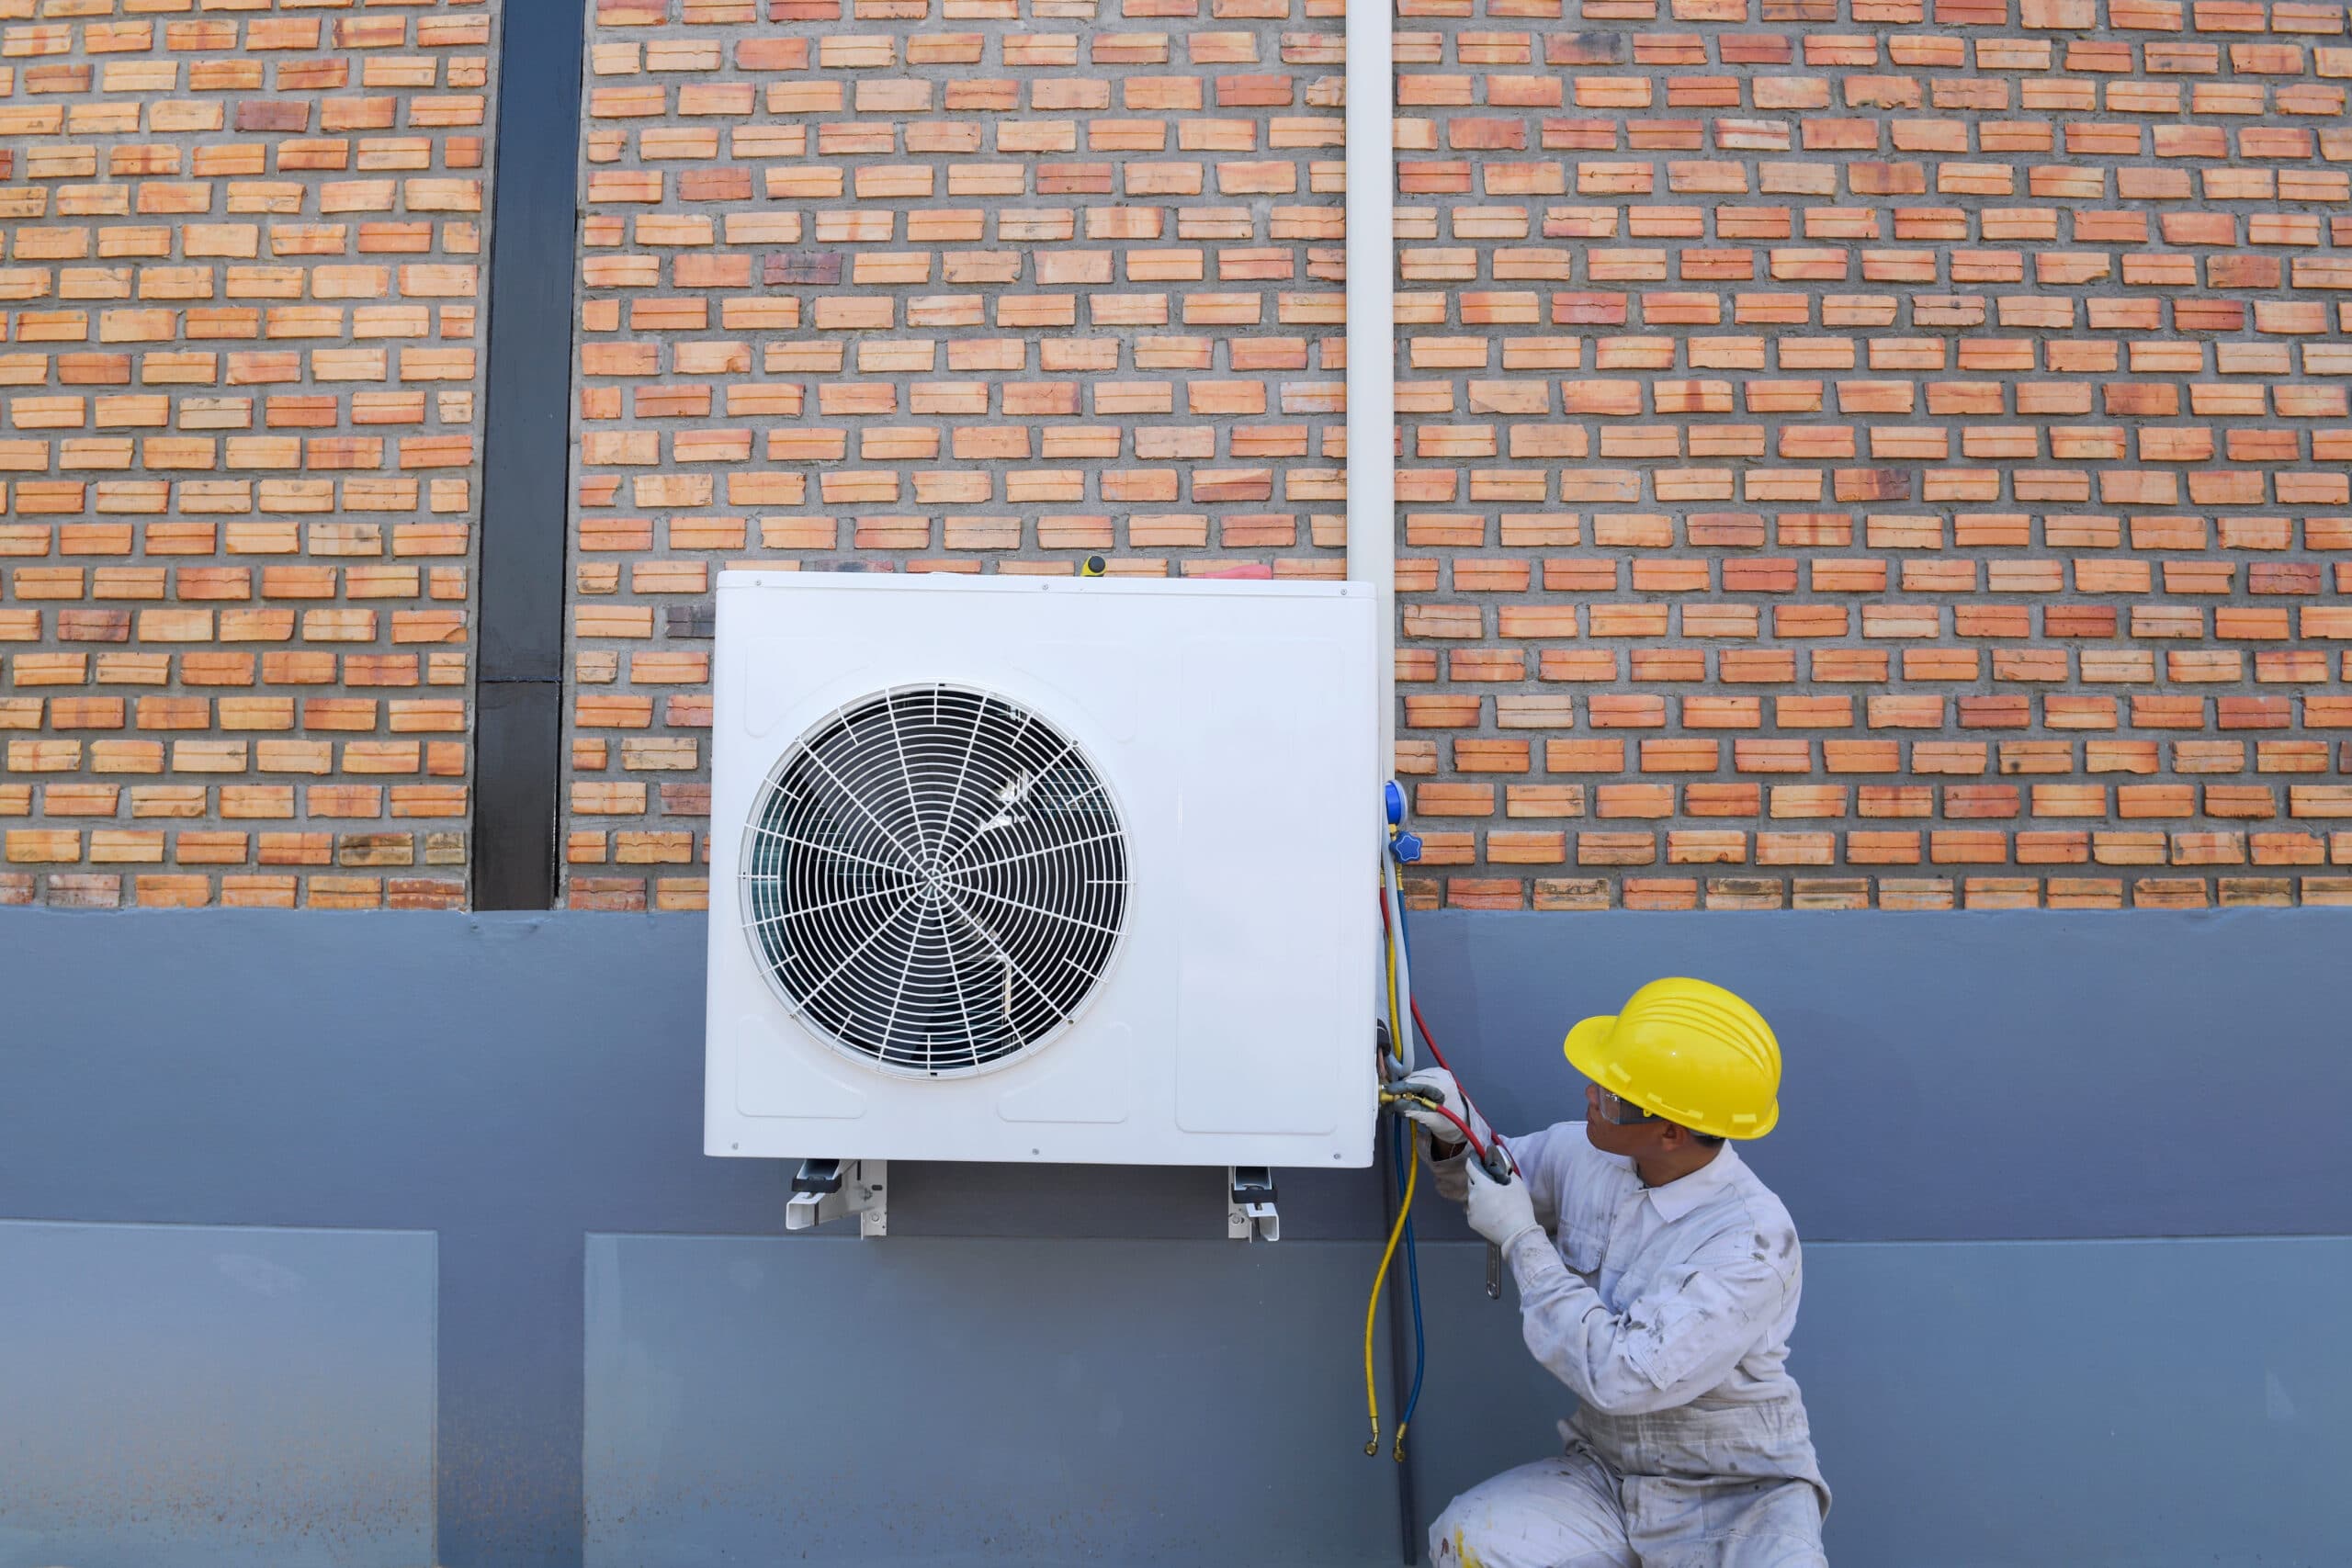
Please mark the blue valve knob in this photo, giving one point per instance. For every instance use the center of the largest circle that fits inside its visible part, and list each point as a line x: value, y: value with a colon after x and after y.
x: 1406, y: 847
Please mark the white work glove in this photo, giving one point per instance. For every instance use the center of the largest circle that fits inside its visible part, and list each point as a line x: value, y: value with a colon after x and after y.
x: 1501, y: 1211
x: 1438, y: 1084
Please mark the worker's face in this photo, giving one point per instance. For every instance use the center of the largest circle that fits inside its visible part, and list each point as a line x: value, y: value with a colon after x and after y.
x: 1638, y: 1141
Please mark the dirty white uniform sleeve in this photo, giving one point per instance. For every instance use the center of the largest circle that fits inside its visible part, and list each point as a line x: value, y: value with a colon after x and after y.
x: 1680, y: 1337
x: 1542, y: 1173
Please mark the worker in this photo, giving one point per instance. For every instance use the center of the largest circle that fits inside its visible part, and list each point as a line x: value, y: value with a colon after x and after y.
x: 1657, y: 1279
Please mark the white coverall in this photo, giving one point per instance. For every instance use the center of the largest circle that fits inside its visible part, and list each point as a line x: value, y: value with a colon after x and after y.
x: 1666, y: 1311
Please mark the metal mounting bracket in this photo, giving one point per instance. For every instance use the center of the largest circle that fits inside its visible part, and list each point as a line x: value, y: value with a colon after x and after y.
x: 1249, y: 1213
x: 824, y: 1190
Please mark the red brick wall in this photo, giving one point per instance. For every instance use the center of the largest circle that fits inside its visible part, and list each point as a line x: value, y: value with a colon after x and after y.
x: 1857, y: 456
x: 941, y: 285
x: 1873, y: 455
x: 241, y: 296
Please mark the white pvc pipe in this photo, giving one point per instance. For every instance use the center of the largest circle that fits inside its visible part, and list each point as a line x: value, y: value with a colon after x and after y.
x: 1372, y: 339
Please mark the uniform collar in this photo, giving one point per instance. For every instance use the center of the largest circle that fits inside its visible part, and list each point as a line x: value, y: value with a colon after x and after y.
x: 1678, y: 1198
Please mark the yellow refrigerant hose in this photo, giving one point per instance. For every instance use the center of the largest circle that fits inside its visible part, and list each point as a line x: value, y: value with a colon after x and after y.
x: 1395, y: 1232
x: 1372, y: 1307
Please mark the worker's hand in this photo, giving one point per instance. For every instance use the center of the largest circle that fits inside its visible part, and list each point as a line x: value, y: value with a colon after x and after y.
x: 1439, y: 1085
x: 1501, y: 1211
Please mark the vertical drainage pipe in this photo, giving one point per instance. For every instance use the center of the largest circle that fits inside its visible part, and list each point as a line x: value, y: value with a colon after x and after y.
x: 1372, y: 490
x: 1372, y: 337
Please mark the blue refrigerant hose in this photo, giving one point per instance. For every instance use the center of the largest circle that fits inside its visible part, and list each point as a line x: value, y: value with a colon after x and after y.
x: 1401, y: 1134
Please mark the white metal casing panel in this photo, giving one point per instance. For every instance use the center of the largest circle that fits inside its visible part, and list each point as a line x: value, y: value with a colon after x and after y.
x: 1231, y: 722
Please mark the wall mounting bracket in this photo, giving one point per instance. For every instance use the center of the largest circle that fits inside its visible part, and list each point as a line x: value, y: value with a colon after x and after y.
x: 825, y: 1189
x: 1249, y: 1213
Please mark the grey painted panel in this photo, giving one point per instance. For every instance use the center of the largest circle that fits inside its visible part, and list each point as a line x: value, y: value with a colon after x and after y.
x: 1963, y: 1076
x: 202, y: 1397
x: 2021, y: 1404
x: 965, y: 1403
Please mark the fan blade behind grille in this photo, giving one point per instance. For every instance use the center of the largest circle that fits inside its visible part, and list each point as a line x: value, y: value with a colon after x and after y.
x: 934, y: 877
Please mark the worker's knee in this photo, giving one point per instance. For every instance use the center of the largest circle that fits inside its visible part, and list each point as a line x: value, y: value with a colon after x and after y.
x: 1453, y: 1542
x: 1460, y: 1539
x: 1549, y: 1515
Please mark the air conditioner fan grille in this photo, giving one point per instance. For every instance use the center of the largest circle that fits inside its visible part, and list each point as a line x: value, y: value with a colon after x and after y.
x: 934, y: 877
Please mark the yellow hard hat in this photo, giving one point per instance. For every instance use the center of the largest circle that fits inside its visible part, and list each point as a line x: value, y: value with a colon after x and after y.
x: 1691, y: 1052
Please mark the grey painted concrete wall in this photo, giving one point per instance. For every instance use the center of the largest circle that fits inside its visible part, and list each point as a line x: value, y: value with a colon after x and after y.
x: 980, y: 1401
x: 199, y: 1395
x: 1966, y: 1077
x: 513, y: 1084
x: 2024, y: 1404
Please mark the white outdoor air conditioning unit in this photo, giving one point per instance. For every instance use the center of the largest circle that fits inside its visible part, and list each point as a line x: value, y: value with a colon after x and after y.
x: 1013, y: 868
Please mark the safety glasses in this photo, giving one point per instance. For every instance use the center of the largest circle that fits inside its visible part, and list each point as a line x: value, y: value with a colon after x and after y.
x: 1623, y: 1112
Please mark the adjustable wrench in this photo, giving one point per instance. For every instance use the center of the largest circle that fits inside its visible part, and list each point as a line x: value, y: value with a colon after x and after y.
x: 1499, y: 1166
